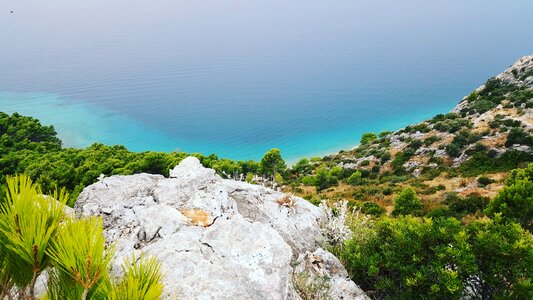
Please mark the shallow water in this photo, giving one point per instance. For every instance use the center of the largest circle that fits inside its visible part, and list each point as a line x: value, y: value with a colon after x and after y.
x: 240, y: 77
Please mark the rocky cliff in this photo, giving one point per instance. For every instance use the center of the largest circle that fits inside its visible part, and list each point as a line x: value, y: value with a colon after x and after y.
x: 216, y: 238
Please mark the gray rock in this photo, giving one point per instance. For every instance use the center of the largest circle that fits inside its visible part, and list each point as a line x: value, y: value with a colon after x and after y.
x: 323, y: 268
x: 216, y: 238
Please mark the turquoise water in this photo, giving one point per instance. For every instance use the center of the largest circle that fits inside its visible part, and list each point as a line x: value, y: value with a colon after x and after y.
x: 240, y: 77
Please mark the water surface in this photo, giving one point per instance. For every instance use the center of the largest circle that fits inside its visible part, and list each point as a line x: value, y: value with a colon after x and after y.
x: 240, y: 77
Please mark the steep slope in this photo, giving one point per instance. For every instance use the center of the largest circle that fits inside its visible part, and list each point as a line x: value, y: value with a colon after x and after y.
x: 488, y: 133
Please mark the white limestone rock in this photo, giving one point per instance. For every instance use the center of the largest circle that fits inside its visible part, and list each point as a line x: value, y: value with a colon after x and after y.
x: 216, y: 238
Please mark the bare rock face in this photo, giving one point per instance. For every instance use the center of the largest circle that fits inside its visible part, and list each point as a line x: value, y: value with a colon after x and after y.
x: 216, y: 238
x: 321, y: 268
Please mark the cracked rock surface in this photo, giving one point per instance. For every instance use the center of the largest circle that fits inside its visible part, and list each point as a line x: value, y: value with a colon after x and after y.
x: 216, y: 238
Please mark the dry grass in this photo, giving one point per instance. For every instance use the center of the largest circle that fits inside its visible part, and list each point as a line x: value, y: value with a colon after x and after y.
x: 288, y: 201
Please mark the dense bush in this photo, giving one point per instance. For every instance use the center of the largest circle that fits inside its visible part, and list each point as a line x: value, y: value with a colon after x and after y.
x: 520, y: 137
x: 451, y: 122
x: 460, y: 140
x: 489, y: 162
x: 373, y: 209
x: 494, y: 92
x: 459, y: 207
x: 413, y: 258
x: 515, y: 201
x: 355, y: 178
x: 407, y: 203
x: 484, y: 181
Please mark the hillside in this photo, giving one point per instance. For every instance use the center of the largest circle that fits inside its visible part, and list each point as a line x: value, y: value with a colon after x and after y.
x: 487, y: 134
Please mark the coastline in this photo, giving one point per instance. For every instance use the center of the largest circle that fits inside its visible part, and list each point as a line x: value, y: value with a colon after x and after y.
x: 80, y: 125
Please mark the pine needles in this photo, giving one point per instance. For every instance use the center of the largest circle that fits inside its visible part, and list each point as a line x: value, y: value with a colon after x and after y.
x: 36, y: 236
x: 141, y: 280
x: 79, y: 251
x: 28, y: 222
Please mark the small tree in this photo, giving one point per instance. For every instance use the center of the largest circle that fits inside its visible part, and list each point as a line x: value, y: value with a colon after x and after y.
x: 368, y: 137
x: 355, y: 178
x: 407, y: 203
x: 272, y: 163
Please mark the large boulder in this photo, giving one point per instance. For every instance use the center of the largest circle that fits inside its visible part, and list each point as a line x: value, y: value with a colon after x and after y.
x: 216, y: 238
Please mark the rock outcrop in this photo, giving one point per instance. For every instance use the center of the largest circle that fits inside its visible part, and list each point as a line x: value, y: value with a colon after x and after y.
x: 216, y: 238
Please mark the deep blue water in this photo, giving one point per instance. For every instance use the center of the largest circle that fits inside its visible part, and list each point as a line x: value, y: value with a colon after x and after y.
x: 240, y: 77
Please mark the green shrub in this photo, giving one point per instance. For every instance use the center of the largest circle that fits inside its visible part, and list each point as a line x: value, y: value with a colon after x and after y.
x: 371, y: 208
x: 308, y: 180
x: 504, y: 260
x: 488, y: 162
x: 407, y: 203
x: 413, y: 258
x: 409, y: 258
x: 519, y: 136
x: 515, y: 201
x: 459, y: 206
x: 484, y: 181
x: 355, y: 178
x: 368, y: 137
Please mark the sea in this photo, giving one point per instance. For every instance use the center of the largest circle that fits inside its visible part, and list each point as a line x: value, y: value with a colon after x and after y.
x: 239, y: 77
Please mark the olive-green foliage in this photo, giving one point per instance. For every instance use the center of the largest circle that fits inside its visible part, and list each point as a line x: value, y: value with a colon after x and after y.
x: 515, y: 201
x: 324, y: 178
x: 461, y: 206
x: 460, y: 140
x: 373, y: 209
x: 494, y: 93
x: 407, y: 203
x: 519, y: 136
x: 29, y: 221
x: 355, y: 178
x: 484, y: 181
x: 368, y: 137
x: 410, y: 258
x: 272, y: 163
x: 504, y: 260
x: 451, y: 122
x: 302, y: 167
x: 413, y: 258
x: 489, y: 162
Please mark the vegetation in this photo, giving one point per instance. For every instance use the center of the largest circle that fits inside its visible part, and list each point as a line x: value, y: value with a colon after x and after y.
x: 37, y: 236
x: 412, y: 258
x: 407, y: 203
x: 368, y: 137
x: 515, y: 201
